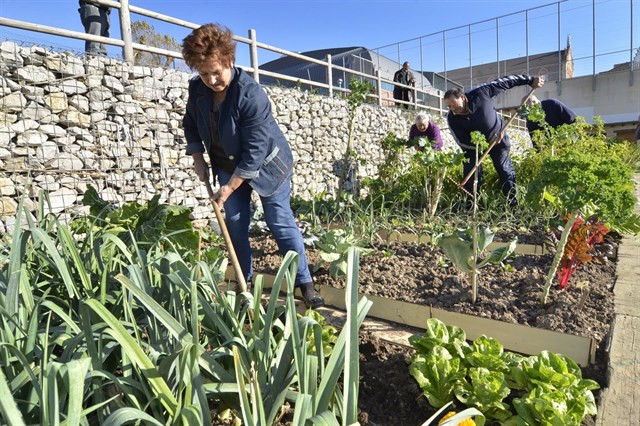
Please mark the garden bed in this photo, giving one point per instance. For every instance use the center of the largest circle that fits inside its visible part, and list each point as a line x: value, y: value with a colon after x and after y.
x: 388, y: 394
x: 420, y: 274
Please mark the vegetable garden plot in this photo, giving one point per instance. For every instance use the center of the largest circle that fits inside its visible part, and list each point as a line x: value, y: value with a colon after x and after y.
x: 421, y: 275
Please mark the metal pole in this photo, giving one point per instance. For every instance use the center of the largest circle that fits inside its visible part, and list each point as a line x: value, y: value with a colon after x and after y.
x: 631, y: 44
x: 330, y: 76
x: 253, y: 47
x: 593, y: 31
x: 125, y: 31
x: 470, y: 66
x: 526, y: 20
x: 421, y: 67
x: 559, y: 55
x: 399, y: 63
x: 379, y: 87
x: 444, y: 53
x: 498, y: 47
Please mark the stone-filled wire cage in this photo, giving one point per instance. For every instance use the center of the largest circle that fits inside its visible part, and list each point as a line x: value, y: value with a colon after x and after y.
x: 69, y: 121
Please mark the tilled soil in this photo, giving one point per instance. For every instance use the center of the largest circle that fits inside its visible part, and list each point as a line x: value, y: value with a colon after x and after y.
x: 419, y: 273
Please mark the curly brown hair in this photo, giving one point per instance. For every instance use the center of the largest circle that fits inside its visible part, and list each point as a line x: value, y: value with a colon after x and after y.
x: 209, y: 40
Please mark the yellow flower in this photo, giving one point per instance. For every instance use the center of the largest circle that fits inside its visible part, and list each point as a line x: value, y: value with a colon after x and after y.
x: 446, y: 416
x: 468, y: 422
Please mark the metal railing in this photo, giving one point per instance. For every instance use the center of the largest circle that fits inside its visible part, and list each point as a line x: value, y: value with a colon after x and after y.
x: 420, y: 94
x: 559, y: 68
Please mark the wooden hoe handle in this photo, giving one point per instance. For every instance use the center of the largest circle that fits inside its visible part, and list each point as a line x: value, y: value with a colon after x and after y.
x: 227, y: 239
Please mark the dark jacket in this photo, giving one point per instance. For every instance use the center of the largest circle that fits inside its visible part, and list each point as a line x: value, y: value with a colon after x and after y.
x: 555, y: 114
x: 483, y: 116
x: 247, y: 131
x: 432, y: 133
x: 403, y: 77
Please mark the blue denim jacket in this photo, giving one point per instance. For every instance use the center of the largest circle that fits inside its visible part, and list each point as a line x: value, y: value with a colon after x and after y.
x: 247, y: 131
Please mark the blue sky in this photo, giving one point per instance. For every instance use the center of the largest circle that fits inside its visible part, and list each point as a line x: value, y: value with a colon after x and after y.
x: 300, y: 25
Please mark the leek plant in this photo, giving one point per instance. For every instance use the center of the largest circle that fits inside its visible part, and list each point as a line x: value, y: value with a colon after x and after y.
x: 94, y: 330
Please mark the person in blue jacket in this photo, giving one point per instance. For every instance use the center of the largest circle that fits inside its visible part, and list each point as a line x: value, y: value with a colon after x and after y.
x: 555, y: 114
x: 228, y: 116
x: 474, y: 111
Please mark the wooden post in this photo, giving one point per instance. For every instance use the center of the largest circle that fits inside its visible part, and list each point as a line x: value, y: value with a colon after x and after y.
x: 125, y: 31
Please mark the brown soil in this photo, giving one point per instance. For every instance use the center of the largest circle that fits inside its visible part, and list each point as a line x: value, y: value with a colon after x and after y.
x: 419, y: 273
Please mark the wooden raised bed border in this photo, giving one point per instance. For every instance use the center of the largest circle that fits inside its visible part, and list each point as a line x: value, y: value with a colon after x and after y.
x: 515, y: 337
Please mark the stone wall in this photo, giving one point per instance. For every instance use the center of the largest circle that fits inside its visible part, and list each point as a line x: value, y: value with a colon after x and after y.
x: 68, y: 122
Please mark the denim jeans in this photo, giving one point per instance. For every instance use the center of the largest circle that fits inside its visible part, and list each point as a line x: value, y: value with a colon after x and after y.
x: 96, y: 22
x: 502, y: 162
x: 279, y: 218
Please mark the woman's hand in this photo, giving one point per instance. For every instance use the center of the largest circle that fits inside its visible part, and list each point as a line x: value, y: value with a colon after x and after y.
x: 201, y: 167
x: 223, y: 193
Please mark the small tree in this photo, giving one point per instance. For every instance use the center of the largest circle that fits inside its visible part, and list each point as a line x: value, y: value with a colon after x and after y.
x: 357, y: 96
x: 144, y: 33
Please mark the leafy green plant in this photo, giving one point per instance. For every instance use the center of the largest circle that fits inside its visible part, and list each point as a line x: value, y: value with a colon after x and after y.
x: 482, y: 375
x: 334, y: 248
x: 437, y: 333
x: 577, y: 179
x: 437, y: 373
x: 485, y: 391
x: 465, y: 247
x: 328, y: 335
x: 150, y: 222
x: 437, y: 164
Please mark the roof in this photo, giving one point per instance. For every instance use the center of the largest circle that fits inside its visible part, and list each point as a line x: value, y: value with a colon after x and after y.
x: 356, y: 58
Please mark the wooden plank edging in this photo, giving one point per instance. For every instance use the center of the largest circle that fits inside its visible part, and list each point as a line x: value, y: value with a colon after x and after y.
x: 424, y: 239
x: 515, y: 337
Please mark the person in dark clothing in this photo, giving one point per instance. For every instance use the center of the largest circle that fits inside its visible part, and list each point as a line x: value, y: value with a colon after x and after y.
x: 475, y: 111
x: 228, y: 115
x: 638, y: 131
x: 95, y: 20
x: 403, y: 76
x: 555, y: 114
x: 423, y: 128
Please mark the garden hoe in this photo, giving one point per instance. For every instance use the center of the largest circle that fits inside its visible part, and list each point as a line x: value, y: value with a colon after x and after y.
x: 496, y: 139
x: 227, y: 239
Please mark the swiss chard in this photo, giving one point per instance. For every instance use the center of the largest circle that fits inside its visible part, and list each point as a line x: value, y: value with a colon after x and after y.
x: 580, y: 246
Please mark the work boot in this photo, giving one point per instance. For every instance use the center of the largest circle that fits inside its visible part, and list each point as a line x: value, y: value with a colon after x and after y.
x: 311, y: 297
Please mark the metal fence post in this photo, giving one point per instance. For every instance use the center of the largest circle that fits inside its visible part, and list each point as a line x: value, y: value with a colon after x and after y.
x: 444, y: 58
x: 559, y: 56
x: 379, y: 87
x: 593, y: 30
x: 330, y: 76
x: 498, y: 47
x: 254, y: 55
x: 631, y: 45
x: 470, y: 63
x: 526, y: 20
x: 125, y: 31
